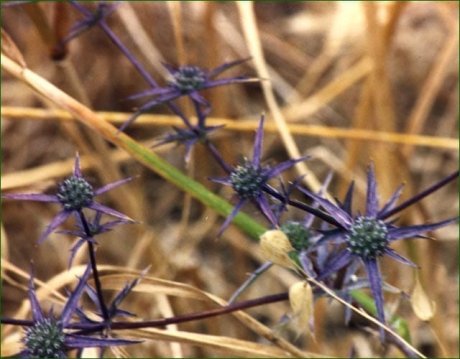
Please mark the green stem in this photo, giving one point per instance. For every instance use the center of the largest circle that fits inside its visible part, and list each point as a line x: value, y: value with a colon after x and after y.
x: 368, y: 304
x: 195, y: 189
x: 241, y: 220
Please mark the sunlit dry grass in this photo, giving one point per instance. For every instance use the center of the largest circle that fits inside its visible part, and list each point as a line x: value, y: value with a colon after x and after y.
x: 345, y: 82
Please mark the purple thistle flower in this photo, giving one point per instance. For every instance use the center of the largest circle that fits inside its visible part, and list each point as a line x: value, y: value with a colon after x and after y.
x: 368, y: 237
x: 186, y: 81
x: 250, y: 178
x: 50, y: 337
x: 74, y: 194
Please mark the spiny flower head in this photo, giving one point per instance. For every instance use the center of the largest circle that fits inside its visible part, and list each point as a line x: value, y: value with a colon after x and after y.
x: 186, y: 80
x: 369, y: 236
x: 298, y: 234
x: 45, y: 339
x: 73, y: 194
x: 53, y: 337
x: 249, y: 180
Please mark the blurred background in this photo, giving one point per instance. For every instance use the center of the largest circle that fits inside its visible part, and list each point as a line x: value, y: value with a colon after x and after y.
x: 342, y: 72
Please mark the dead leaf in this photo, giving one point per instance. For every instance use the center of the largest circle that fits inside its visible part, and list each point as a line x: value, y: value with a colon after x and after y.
x: 275, y: 247
x: 423, y: 306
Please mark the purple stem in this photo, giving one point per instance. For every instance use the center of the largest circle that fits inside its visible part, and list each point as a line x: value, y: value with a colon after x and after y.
x: 190, y: 317
x: 314, y: 211
x: 215, y: 153
x: 92, y: 259
x: 94, y: 327
x: 249, y: 281
x: 88, y: 328
x: 144, y: 73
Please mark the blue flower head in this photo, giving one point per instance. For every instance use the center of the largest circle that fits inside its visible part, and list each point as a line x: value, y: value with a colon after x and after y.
x: 52, y: 337
x: 187, y: 80
x: 74, y: 194
x: 250, y: 179
x: 368, y: 237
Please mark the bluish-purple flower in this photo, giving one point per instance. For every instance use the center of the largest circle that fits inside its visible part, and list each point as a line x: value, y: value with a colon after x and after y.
x: 50, y: 337
x: 74, y: 194
x: 250, y: 179
x: 368, y: 237
x: 187, y: 80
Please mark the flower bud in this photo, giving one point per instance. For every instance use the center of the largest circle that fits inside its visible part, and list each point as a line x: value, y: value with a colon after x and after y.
x: 301, y: 301
x: 276, y: 247
x: 423, y: 307
x: 45, y: 339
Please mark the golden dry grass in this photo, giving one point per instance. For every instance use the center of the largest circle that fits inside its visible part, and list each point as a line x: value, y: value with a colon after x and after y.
x: 345, y: 82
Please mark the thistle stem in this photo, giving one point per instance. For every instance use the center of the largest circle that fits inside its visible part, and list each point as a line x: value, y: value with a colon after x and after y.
x: 316, y: 212
x: 186, y: 317
x: 92, y: 259
x: 94, y: 327
x: 215, y: 153
x: 142, y: 71
x: 264, y: 267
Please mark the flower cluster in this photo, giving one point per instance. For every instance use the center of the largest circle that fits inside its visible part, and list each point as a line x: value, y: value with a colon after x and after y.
x: 73, y: 194
x: 187, y: 81
x: 51, y: 337
x: 365, y: 238
x: 333, y: 251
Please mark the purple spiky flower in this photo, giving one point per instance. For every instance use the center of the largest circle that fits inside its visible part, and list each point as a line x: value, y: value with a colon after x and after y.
x: 50, y: 337
x: 187, y: 80
x: 368, y: 237
x: 250, y: 179
x: 74, y: 194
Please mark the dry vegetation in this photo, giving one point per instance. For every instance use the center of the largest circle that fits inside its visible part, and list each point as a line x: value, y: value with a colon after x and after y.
x: 347, y: 82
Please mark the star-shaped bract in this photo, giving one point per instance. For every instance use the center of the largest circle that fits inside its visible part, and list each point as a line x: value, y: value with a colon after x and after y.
x: 250, y: 178
x: 91, y: 19
x: 186, y: 81
x: 95, y: 228
x: 74, y: 194
x: 113, y: 309
x: 192, y: 134
x: 368, y: 237
x: 49, y: 337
